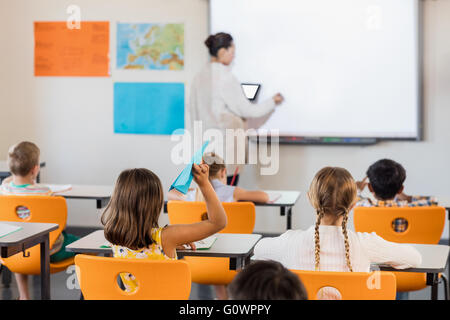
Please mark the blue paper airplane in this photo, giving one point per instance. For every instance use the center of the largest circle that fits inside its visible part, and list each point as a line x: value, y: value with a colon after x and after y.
x: 184, y: 180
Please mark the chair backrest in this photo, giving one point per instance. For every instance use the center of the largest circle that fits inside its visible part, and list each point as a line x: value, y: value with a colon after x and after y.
x: 43, y: 209
x: 240, y: 215
x: 378, y: 285
x: 157, y: 279
x: 240, y: 219
x: 424, y: 224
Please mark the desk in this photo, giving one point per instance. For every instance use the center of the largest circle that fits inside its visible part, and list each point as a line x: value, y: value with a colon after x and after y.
x: 5, y: 173
x: 30, y: 235
x: 237, y: 247
x: 101, y: 194
x: 287, y: 200
x: 434, y: 261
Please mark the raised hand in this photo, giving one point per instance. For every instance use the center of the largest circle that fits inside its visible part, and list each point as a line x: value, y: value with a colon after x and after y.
x: 361, y: 185
x: 201, y: 174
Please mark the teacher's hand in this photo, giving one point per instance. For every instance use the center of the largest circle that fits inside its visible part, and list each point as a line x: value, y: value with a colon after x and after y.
x: 278, y: 98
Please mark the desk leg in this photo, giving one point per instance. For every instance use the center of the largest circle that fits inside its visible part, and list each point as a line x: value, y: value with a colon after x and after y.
x: 45, y: 269
x: 289, y: 219
x: 434, y: 291
x: 288, y: 216
x: 101, y: 203
x: 237, y: 263
x: 433, y: 281
x: 246, y: 262
x: 233, y: 263
x: 6, y: 276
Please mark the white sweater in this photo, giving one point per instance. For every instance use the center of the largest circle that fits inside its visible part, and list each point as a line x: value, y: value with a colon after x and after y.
x: 295, y: 250
x: 217, y: 99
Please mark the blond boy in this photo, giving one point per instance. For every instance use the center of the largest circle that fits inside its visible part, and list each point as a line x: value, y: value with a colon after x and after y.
x: 23, y: 162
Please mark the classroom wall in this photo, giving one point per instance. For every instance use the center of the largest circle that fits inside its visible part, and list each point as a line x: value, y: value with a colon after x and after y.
x: 71, y: 119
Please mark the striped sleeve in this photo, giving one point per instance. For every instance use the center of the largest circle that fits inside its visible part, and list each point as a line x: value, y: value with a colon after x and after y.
x: 27, y: 190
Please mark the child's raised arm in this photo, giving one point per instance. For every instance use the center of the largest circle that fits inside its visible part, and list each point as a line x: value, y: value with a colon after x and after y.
x: 178, y: 234
x: 254, y: 196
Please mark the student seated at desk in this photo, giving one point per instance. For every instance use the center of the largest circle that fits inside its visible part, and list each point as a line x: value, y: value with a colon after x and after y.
x: 23, y: 162
x: 266, y: 280
x: 328, y: 245
x: 131, y: 219
x: 386, y: 178
x: 218, y: 178
x: 226, y: 193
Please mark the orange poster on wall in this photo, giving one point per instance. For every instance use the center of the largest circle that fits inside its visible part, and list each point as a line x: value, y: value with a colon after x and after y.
x: 61, y: 51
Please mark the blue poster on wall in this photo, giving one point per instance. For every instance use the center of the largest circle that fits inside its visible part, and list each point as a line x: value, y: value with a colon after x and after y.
x: 148, y: 108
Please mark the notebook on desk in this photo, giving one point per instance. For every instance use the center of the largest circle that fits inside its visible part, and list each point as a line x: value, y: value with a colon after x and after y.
x: 106, y: 244
x: 6, y: 229
x: 204, y: 244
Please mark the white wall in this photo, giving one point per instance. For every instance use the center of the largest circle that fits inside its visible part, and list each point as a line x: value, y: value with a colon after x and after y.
x: 71, y: 119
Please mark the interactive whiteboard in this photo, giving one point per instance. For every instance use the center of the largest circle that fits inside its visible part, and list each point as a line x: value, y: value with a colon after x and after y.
x: 347, y: 68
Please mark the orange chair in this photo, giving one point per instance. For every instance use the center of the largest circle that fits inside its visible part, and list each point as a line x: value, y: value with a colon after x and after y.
x: 351, y: 285
x: 425, y: 225
x: 43, y: 209
x: 157, y: 279
x: 241, y: 219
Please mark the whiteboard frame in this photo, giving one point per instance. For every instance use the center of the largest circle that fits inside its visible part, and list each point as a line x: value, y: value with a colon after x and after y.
x: 420, y: 86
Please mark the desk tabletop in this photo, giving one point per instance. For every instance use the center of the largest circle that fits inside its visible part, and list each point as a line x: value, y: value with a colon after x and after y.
x: 90, y: 244
x: 226, y: 245
x: 29, y: 230
x: 443, y: 201
x: 287, y: 198
x: 434, y: 259
x: 79, y: 191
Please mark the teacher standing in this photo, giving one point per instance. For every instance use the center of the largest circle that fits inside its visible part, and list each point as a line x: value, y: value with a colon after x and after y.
x: 217, y: 98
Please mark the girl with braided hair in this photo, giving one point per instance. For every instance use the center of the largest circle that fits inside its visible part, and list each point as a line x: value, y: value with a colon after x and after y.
x: 332, y: 194
x: 329, y: 245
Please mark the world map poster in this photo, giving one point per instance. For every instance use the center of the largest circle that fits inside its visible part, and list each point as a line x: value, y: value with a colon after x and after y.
x: 150, y: 46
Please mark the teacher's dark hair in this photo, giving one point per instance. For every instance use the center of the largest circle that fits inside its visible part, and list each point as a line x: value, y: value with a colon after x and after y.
x: 266, y: 280
x: 218, y: 41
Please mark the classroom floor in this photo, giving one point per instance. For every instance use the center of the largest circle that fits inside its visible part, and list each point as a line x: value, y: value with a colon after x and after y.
x: 64, y: 286
x: 61, y: 291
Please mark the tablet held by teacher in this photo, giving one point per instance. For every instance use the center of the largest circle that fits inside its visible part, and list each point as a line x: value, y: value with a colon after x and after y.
x: 218, y: 101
